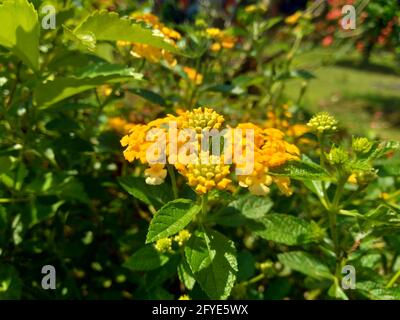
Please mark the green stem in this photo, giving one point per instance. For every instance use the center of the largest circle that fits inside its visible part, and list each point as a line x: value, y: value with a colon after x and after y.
x: 393, y: 280
x: 171, y: 173
x: 204, y: 200
x: 334, y: 208
x: 255, y: 279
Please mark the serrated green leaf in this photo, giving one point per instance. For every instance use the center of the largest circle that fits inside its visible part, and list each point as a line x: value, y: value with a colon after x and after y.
x: 145, y: 259
x: 51, y: 92
x: 374, y: 291
x: 305, y: 263
x: 171, y: 218
x: 20, y: 30
x: 380, y: 149
x: 212, y: 259
x: 185, y: 275
x: 108, y: 26
x: 301, y: 170
x: 382, y: 219
x: 287, y: 229
x: 240, y: 210
x: 151, y: 195
x: 106, y: 70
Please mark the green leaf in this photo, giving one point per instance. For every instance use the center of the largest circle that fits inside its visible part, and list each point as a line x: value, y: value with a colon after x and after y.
x: 240, y: 210
x: 383, y: 219
x: 10, y: 283
x: 108, y: 26
x: 381, y: 149
x: 171, y: 218
x: 149, y: 95
x: 335, y: 291
x: 296, y: 74
x: 212, y: 259
x: 374, y: 291
x: 301, y: 170
x: 305, y: 263
x: 50, y: 92
x: 150, y: 195
x: 287, y: 229
x: 185, y: 275
x: 20, y: 30
x: 145, y: 259
x: 105, y: 70
x: 40, y: 211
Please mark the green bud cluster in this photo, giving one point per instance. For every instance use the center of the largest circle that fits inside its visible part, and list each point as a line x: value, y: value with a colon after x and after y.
x: 361, y: 145
x: 338, y: 156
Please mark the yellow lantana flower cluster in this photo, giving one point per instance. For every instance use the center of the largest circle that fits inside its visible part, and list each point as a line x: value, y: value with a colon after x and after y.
x: 150, y: 53
x: 220, y: 39
x: 205, y: 171
x: 270, y: 151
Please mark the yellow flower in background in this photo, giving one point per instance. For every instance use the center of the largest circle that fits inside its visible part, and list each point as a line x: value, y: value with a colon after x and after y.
x: 148, y: 52
x: 250, y: 8
x: 193, y: 75
x: 164, y: 245
x: 294, y: 18
x: 281, y: 118
x: 104, y: 90
x: 262, y: 7
x: 220, y: 39
x: 120, y: 125
x: 184, y: 297
x: 213, y: 32
x: 216, y: 46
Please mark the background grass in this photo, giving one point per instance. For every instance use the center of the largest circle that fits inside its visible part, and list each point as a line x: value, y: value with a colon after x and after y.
x: 365, y: 98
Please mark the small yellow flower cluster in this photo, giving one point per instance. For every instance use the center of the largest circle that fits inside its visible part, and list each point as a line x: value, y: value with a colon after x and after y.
x: 150, y: 53
x: 193, y: 75
x: 323, y: 122
x: 270, y: 151
x: 280, y: 119
x: 165, y: 244
x: 294, y: 18
x: 200, y: 119
x: 261, y: 7
x: 184, y: 297
x: 120, y: 125
x: 220, y: 39
x: 183, y: 236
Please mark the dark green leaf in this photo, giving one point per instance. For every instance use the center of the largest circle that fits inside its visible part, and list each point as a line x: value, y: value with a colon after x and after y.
x: 171, y: 219
x: 212, y: 259
x: 146, y: 258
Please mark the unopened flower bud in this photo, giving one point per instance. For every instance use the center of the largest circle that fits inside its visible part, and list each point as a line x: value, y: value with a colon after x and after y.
x: 323, y: 122
x: 361, y: 145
